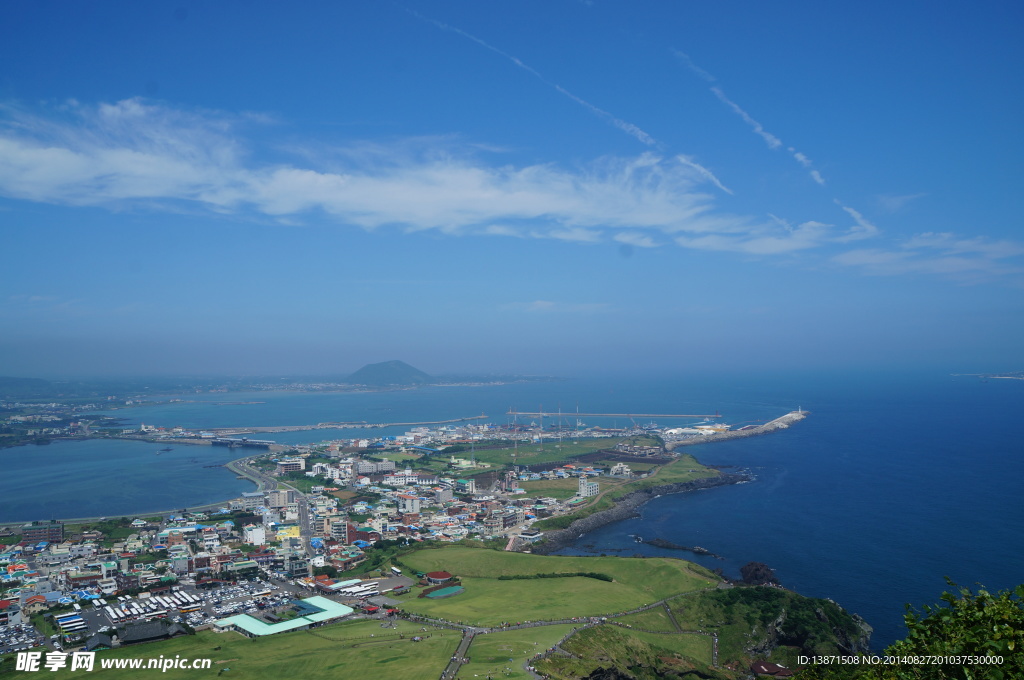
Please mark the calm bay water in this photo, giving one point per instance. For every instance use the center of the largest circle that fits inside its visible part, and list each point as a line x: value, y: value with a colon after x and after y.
x: 109, y: 477
x: 892, y: 483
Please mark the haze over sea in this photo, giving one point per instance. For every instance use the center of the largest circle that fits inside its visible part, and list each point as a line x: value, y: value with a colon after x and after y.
x: 892, y: 483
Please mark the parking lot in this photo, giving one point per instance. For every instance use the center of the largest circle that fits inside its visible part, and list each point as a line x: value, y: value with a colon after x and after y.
x: 203, y: 607
x: 19, y: 637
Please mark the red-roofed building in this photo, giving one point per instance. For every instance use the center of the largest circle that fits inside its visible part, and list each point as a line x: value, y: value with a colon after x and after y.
x: 10, y: 613
x: 34, y: 604
x: 439, y: 577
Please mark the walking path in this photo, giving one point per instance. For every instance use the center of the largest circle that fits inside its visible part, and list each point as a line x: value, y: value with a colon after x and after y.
x: 469, y: 633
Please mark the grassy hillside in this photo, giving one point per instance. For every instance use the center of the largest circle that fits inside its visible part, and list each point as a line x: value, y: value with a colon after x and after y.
x: 642, y: 656
x: 489, y: 600
x: 502, y: 654
x: 343, y: 650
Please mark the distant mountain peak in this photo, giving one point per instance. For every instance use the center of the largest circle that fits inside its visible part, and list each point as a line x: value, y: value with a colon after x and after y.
x: 389, y: 373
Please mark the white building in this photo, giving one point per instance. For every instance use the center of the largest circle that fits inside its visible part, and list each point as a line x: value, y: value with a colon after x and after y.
x: 587, y: 488
x: 620, y: 469
x: 409, y: 503
x: 254, y: 534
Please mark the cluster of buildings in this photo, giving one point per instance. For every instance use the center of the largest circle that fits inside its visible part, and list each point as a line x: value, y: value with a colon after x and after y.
x: 289, y: 533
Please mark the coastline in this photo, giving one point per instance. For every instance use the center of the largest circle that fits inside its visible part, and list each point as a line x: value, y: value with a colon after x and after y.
x: 626, y: 507
x: 780, y: 423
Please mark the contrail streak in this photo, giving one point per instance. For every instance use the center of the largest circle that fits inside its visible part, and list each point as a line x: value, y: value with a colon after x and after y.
x: 629, y: 128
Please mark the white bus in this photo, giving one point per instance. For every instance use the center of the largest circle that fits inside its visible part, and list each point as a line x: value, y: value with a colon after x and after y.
x: 396, y: 571
x: 361, y: 591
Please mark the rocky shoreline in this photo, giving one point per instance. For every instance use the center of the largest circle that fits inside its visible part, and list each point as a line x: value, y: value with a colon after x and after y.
x: 626, y: 507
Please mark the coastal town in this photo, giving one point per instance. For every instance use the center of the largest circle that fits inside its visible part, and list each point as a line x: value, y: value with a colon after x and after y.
x: 321, y: 537
x: 320, y: 511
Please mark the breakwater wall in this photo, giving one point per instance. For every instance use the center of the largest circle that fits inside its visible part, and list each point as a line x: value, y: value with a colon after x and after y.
x: 625, y: 508
x: 769, y: 427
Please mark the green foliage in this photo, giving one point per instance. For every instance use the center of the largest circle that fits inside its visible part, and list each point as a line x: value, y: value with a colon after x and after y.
x: 974, y: 624
x: 382, y: 553
x: 968, y: 624
x: 560, y: 574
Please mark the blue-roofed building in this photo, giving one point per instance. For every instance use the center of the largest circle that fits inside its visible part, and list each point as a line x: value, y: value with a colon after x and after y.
x: 313, y: 612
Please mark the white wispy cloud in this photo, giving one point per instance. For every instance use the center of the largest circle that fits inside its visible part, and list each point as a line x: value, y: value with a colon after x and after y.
x: 895, y: 263
x: 967, y: 260
x: 135, y: 153
x: 764, y: 240
x: 863, y: 228
x: 955, y: 245
x: 894, y: 203
x: 144, y: 156
x: 629, y: 128
x: 771, y: 140
x: 688, y: 160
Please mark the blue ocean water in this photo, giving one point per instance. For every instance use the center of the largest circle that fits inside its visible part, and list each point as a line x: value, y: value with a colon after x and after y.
x: 889, y: 486
x: 893, y: 482
x: 109, y: 477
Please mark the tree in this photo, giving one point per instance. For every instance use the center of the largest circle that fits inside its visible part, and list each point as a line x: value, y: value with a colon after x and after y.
x: 968, y: 624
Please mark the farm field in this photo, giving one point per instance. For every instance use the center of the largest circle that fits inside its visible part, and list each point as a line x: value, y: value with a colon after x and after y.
x: 343, y: 650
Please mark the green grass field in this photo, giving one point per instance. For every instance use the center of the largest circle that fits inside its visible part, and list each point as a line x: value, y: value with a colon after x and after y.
x: 398, y: 456
x: 653, y: 619
x: 562, y: 488
x: 491, y: 653
x: 694, y: 646
x: 532, y: 454
x: 489, y: 601
x: 349, y: 652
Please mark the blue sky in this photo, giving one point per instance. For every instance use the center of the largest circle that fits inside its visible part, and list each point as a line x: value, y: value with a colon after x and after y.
x: 555, y: 186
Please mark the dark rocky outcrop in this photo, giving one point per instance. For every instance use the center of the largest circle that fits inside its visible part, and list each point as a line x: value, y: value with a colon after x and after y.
x: 758, y: 574
x: 669, y: 545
